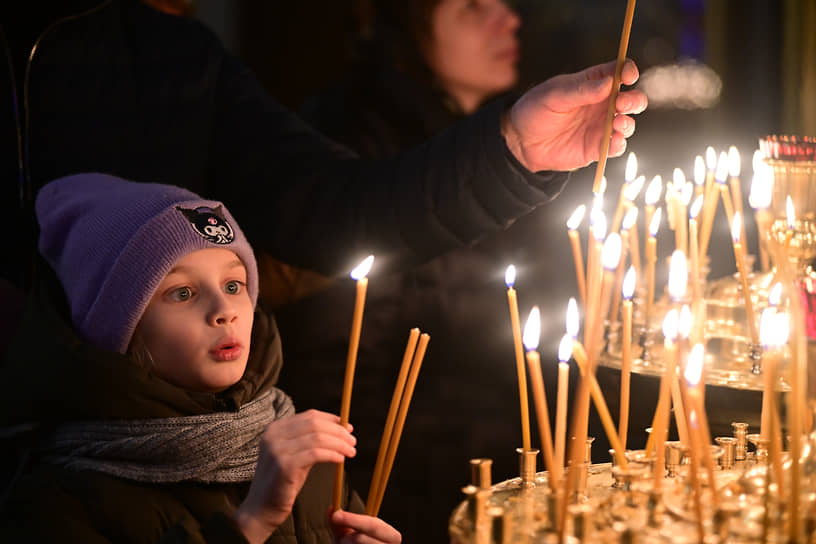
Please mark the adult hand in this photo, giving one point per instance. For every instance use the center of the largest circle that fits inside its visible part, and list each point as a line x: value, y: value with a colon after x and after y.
x: 558, y: 124
x: 352, y: 528
x: 289, y: 448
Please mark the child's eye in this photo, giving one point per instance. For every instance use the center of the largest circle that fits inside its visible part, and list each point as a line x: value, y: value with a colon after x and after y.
x: 233, y: 287
x: 182, y: 294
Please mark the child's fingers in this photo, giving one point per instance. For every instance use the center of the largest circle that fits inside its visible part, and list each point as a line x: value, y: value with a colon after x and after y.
x: 367, y: 528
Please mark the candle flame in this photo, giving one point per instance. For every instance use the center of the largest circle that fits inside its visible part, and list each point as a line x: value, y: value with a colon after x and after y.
x: 577, y: 216
x: 655, y: 224
x: 633, y: 188
x: 687, y: 193
x: 791, y: 215
x: 363, y: 268
x: 711, y: 158
x: 565, y: 348
x: 532, y: 330
x: 631, y: 168
x: 684, y: 322
x: 630, y: 218
x: 699, y: 170
x: 722, y: 168
x: 572, y: 318
x: 775, y: 295
x: 678, y: 178
x: 736, y: 227
x: 761, y: 189
x: 670, y: 325
x: 510, y: 276
x: 694, y: 366
x: 610, y: 255
x: 598, y: 225
x: 782, y: 329
x: 678, y: 275
x: 653, y: 191
x: 628, y: 288
x: 733, y: 162
x: 767, y: 321
x: 695, y: 208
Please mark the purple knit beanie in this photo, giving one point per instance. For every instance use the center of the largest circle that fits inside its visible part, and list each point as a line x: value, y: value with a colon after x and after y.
x: 112, y: 242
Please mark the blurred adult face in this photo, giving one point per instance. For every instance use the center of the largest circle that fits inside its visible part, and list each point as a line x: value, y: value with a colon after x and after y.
x: 473, y: 49
x: 197, y: 326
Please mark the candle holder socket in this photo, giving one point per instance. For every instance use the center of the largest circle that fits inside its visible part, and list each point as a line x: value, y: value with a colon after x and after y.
x: 501, y: 525
x: 588, y: 450
x: 760, y: 447
x: 527, y: 466
x: 582, y: 523
x: 740, y: 433
x: 728, y: 445
x: 675, y: 455
x: 480, y: 472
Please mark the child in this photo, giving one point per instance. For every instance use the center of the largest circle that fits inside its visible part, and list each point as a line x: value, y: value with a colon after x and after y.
x: 157, y: 422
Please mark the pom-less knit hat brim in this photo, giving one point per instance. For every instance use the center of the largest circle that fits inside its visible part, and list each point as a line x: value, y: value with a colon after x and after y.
x: 112, y: 242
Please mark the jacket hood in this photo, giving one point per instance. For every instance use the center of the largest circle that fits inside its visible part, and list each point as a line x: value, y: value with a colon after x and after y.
x: 53, y: 376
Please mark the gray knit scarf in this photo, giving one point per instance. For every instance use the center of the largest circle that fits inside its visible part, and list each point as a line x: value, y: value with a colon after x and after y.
x: 219, y: 447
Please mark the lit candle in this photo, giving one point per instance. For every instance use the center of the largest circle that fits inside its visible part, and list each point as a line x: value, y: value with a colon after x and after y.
x: 630, y: 224
x: 781, y: 329
x: 572, y: 318
x: 695, y: 480
x: 532, y: 332
x: 564, y: 354
x: 739, y: 255
x: 660, y: 424
x: 694, y: 249
x: 594, y: 288
x: 712, y: 197
x: 681, y: 227
x: 695, y: 398
x: 359, y: 274
x: 629, y: 175
x: 651, y: 259
x: 626, y: 354
x: 711, y: 166
x: 766, y: 337
x: 678, y: 279
x: 699, y: 176
x: 575, y: 239
x: 610, y: 257
x: 734, y: 167
x: 651, y: 198
x: 721, y: 176
x: 760, y: 200
x: 509, y: 279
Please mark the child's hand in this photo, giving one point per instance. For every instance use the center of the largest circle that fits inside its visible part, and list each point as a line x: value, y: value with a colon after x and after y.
x: 352, y: 528
x: 288, y: 450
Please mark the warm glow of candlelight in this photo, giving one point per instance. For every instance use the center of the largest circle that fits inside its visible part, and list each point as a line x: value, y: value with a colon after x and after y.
x: 757, y: 161
x: 699, y: 170
x: 577, y: 216
x: 761, y: 190
x: 630, y: 218
x: 602, y: 188
x: 684, y: 322
x: 694, y: 366
x: 721, y: 175
x: 694, y: 211
x: 678, y: 179
x: 678, y: 275
x: 598, y: 224
x: 789, y: 209
x: 565, y: 348
x: 686, y: 193
x: 653, y: 191
x: 631, y: 168
x: 711, y: 158
x: 670, y: 325
x: 775, y: 295
x: 781, y: 329
x: 733, y: 162
x: 654, y: 226
x: 610, y: 256
x: 572, y: 318
x: 532, y: 330
x: 510, y: 276
x: 736, y: 228
x: 628, y: 288
x: 767, y: 335
x: 362, y: 269
x: 633, y: 188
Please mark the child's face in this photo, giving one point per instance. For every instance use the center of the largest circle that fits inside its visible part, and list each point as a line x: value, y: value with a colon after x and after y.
x: 198, y: 324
